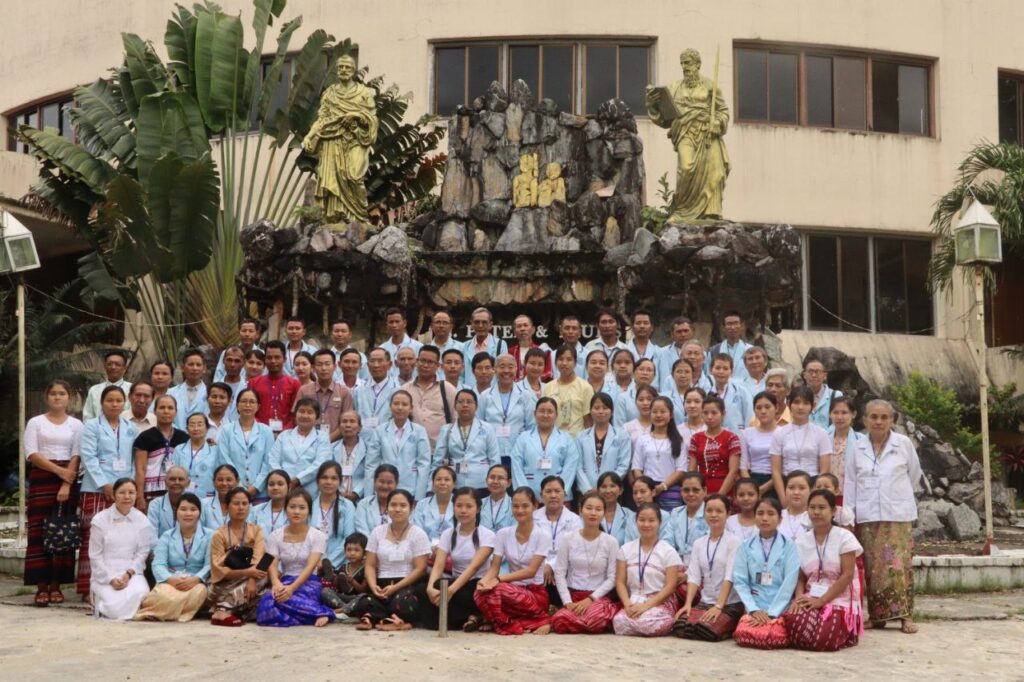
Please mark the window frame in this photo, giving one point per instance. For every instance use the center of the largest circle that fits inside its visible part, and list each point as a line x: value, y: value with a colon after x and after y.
x: 872, y: 266
x: 802, y: 51
x: 11, y: 116
x: 578, y: 43
x: 1018, y: 78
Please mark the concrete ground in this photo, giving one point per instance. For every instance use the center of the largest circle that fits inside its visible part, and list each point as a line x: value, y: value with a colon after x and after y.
x: 61, y: 642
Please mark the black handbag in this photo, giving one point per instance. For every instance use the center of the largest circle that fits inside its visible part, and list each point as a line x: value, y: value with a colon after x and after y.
x: 61, y: 533
x: 238, y: 558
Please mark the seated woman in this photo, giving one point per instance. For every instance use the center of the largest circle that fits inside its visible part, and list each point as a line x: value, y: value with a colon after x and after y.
x: 516, y: 602
x: 118, y: 546
x: 469, y: 547
x: 645, y: 579
x: 710, y: 574
x: 270, y: 515
x: 236, y: 549
x: 181, y: 566
x: 216, y: 509
x: 585, y: 573
x: 497, y: 506
x: 602, y: 447
x: 396, y: 564
x: 197, y: 456
x: 744, y: 523
x: 558, y: 521
x: 335, y: 517
x: 764, y: 574
x: 618, y: 521
x: 826, y: 614
x: 294, y: 597
x: 435, y: 514
x: 372, y: 510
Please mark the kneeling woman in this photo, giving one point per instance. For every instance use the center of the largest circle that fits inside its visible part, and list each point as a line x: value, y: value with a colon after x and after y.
x: 516, y: 602
x: 585, y: 573
x: 181, y: 566
x: 297, y: 548
x: 828, y: 583
x: 118, y: 546
x: 236, y: 549
x: 645, y: 579
x: 396, y: 564
x: 469, y: 546
x: 710, y: 573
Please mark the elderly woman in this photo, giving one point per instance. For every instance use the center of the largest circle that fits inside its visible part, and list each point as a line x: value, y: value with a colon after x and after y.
x: 882, y: 471
x: 119, y: 543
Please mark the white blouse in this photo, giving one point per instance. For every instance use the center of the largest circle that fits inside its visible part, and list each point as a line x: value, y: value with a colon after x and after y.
x: 653, y: 456
x: 755, y: 455
x: 55, y: 442
x: 645, y: 572
x: 882, y: 489
x: 635, y: 429
x: 464, y: 551
x: 822, y: 564
x: 733, y: 525
x: 118, y: 542
x: 711, y: 564
x: 586, y: 565
x: 518, y: 556
x: 794, y: 526
x: 566, y: 523
x: 293, y: 556
x: 395, y: 559
x: 800, y: 446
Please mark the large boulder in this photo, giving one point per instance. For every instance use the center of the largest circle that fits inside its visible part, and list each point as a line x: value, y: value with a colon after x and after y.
x: 963, y: 523
x: 929, y: 526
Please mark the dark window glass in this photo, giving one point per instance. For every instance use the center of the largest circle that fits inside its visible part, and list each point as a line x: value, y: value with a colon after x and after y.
x: 890, y: 280
x: 918, y: 254
x: 854, y: 304
x: 29, y: 119
x: 600, y: 83
x: 279, y: 100
x: 51, y: 116
x: 558, y: 75
x: 752, y: 83
x: 885, y: 97
x: 819, y: 91
x: 782, y: 88
x: 823, y: 286
x: 633, y: 77
x: 913, y: 87
x: 850, y: 93
x: 450, y: 79
x: 524, y: 64
x: 66, y: 129
x: 1009, y: 110
x: 483, y: 70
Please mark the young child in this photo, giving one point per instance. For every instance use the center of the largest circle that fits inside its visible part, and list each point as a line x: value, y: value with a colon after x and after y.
x: 844, y: 516
x: 351, y: 582
x: 744, y: 524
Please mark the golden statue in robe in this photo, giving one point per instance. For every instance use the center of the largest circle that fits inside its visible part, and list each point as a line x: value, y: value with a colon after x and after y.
x: 552, y: 187
x: 696, y: 115
x: 341, y: 137
x: 524, y: 185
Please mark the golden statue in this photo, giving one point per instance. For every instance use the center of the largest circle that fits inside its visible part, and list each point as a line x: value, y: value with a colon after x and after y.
x: 341, y: 137
x: 695, y: 113
x: 552, y: 187
x: 524, y: 185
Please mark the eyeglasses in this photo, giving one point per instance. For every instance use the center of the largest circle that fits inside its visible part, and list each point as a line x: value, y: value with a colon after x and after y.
x: 692, y: 490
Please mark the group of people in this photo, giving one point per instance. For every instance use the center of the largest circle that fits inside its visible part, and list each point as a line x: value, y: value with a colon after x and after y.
x: 613, y: 486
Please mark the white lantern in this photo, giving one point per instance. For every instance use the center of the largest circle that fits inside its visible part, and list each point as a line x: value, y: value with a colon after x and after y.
x: 18, y: 248
x: 978, y: 239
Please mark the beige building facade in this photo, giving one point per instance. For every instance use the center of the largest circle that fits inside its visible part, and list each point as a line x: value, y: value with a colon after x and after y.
x: 848, y: 119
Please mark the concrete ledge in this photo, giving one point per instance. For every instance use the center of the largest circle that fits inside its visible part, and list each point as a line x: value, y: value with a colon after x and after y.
x: 953, y: 573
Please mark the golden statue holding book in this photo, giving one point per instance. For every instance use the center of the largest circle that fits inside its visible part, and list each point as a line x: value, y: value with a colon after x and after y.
x: 696, y: 115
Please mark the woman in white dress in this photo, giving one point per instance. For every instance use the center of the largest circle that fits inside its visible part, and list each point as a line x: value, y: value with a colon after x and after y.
x: 118, y: 546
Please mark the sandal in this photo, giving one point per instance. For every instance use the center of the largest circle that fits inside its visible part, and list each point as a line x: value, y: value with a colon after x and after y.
x: 472, y: 624
x: 56, y: 597
x: 42, y: 598
x: 394, y: 624
x: 229, y: 621
x: 364, y: 623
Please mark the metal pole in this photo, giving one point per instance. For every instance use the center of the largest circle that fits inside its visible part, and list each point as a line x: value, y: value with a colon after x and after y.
x: 979, y: 299
x: 442, y: 622
x: 21, y: 412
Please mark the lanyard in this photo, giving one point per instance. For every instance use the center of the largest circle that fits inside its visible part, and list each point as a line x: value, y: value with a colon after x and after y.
x: 323, y: 515
x: 874, y: 457
x: 192, y: 459
x: 821, y: 553
x: 642, y: 563
x: 465, y: 436
x: 187, y: 548
x: 241, y: 540
x: 275, y: 397
x: 770, y: 547
x: 506, y: 403
x: 323, y: 404
x: 711, y: 555
x: 494, y: 514
x: 377, y: 390
x: 273, y: 517
x: 554, y: 530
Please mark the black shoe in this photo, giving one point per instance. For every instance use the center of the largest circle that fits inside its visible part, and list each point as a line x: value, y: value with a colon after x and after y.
x: 330, y: 599
x: 327, y: 572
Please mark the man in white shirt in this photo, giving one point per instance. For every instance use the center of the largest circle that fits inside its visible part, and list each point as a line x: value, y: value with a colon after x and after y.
x: 755, y: 359
x: 191, y: 393
x: 295, y: 330
x: 373, y: 399
x: 405, y: 365
x: 732, y: 345
x: 608, y: 334
x: 682, y: 332
x: 115, y: 362
x: 139, y: 398
x: 397, y: 336
x: 248, y: 334
x: 341, y: 336
x: 441, y: 324
x: 642, y: 347
x: 483, y: 341
x: 570, y: 330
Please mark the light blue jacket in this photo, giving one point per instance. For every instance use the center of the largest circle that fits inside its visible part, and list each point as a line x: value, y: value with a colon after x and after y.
x: 106, y: 453
x: 597, y: 344
x: 739, y: 407
x: 739, y: 368
x: 495, y: 347
x: 335, y: 536
x: 219, y: 372
x: 161, y: 515
x: 784, y: 565
x: 364, y: 372
x: 411, y: 455
x: 519, y: 417
x: 683, y: 533
x: 211, y: 516
x: 652, y: 352
x: 616, y: 456
x: 666, y: 358
x: 623, y: 527
x: 368, y: 515
x: 373, y: 405
x: 625, y: 405
x: 169, y: 558
x: 231, y: 414
x: 288, y: 356
x: 200, y: 467
x: 406, y: 342
x: 496, y: 515
x: 581, y: 361
x: 527, y: 453
x: 428, y: 517
x: 250, y: 458
x: 263, y: 515
x: 301, y: 457
x: 678, y: 404
x: 470, y: 459
x: 180, y: 394
x: 820, y: 413
x: 356, y: 459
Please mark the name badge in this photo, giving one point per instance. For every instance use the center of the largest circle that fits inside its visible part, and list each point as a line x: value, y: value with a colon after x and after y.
x: 371, y: 422
x: 544, y: 463
x: 120, y: 465
x: 463, y: 467
x: 276, y: 425
x: 347, y: 469
x: 504, y: 431
x: 764, y: 578
x: 872, y: 482
x: 818, y: 590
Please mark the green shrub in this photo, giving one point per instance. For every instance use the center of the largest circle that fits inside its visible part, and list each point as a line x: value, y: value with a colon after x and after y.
x: 923, y: 401
x: 654, y: 217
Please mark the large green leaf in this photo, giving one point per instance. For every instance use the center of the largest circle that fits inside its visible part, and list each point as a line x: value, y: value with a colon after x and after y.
x: 309, y: 71
x: 220, y: 61
x: 68, y: 157
x: 180, y: 41
x: 122, y: 225
x: 169, y: 122
x: 262, y: 17
x: 101, y: 284
x: 184, y: 199
x: 102, y: 123
x: 147, y: 73
x: 272, y: 79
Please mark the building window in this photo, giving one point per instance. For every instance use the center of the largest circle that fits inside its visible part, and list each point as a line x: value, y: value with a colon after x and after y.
x: 867, y: 283
x: 52, y: 112
x: 578, y: 75
x: 833, y: 89
x: 1011, y: 108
